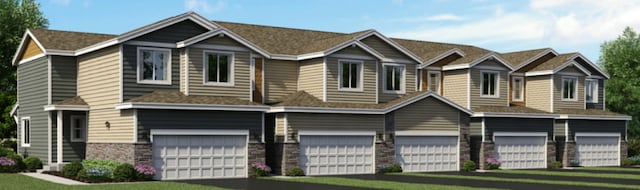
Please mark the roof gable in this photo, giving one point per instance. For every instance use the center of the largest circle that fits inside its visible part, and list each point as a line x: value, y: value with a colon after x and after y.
x: 593, y: 68
x: 476, y: 62
x: 173, y: 33
x: 387, y: 47
x: 520, y: 59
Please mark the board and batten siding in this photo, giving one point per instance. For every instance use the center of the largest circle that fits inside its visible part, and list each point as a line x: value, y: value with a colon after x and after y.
x: 280, y: 79
x: 538, y: 92
x: 427, y: 114
x: 99, y: 86
x: 310, y: 77
x: 131, y: 87
x: 409, y: 82
x: 496, y: 124
x: 476, y: 82
x: 596, y: 126
x: 557, y: 94
x: 368, y: 93
x: 64, y: 77
x: 455, y: 86
x: 384, y: 48
x: 32, y: 97
x: 198, y: 119
x: 333, y: 122
x: 174, y: 33
x: 71, y: 151
x: 241, y: 75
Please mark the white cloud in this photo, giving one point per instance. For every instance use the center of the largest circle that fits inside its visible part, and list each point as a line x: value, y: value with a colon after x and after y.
x: 445, y: 17
x: 60, y: 2
x: 204, y: 6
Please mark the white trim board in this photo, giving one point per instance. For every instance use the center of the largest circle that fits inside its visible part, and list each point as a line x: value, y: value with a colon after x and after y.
x: 427, y: 133
x: 595, y: 117
x: 589, y: 134
x: 66, y: 107
x: 144, y: 105
x: 520, y: 134
x: 335, y: 133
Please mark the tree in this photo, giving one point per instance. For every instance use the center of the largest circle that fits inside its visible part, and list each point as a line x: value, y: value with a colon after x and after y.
x: 621, y: 59
x: 16, y: 16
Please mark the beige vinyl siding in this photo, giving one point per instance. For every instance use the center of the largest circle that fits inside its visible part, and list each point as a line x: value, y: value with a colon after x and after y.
x: 183, y: 68
x: 280, y: 79
x: 409, y: 79
x: 538, y: 92
x: 99, y: 86
x: 333, y: 122
x: 132, y: 88
x: 384, y: 48
x: 241, y: 76
x: 455, y: 86
x: 368, y: 93
x: 557, y: 94
x: 427, y: 114
x: 310, y: 77
x: 475, y: 127
x: 476, y: 82
x: 559, y: 128
x: 221, y: 40
x: 354, y: 51
x: 280, y: 124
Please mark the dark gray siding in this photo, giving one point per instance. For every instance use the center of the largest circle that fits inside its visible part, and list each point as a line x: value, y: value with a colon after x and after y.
x: 183, y: 119
x: 64, y: 75
x: 130, y: 71
x: 32, y: 97
x: 71, y: 150
x: 492, y: 125
x: 600, y: 104
x: 601, y: 126
x: 174, y: 33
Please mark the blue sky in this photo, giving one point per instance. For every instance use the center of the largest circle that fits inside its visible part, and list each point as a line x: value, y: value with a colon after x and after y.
x: 503, y: 26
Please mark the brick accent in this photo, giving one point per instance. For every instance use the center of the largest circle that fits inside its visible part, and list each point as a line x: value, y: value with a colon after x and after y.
x: 551, y: 152
x: 486, y: 151
x: 143, y: 154
x: 623, y: 151
x: 385, y: 153
x: 121, y: 152
x: 569, y: 153
x: 465, y: 141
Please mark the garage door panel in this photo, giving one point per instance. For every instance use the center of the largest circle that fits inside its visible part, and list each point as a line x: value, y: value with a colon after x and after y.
x: 327, y: 155
x: 598, y: 151
x: 427, y: 153
x: 520, y: 152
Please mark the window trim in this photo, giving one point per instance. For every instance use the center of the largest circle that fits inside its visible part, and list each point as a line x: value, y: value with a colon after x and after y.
x: 167, y: 80
x: 439, y: 77
x: 402, y: 80
x: 575, y: 89
x: 497, y: 84
x: 22, y: 134
x: 513, y: 82
x: 205, y: 68
x: 360, y: 64
x: 595, y: 90
x: 72, y: 128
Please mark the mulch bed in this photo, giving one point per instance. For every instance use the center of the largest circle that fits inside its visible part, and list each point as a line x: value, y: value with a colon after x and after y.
x: 59, y: 174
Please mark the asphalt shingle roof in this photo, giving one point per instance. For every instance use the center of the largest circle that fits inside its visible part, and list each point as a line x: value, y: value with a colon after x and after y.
x: 177, y: 97
x: 65, y: 40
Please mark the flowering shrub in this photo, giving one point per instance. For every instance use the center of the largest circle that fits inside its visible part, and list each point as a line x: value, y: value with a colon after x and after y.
x: 260, y: 169
x: 99, y: 172
x: 493, y: 164
x: 145, y: 172
x: 7, y: 164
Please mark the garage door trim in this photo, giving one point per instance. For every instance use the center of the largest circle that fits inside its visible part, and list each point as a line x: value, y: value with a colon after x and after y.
x: 335, y: 133
x: 525, y: 134
x: 427, y: 133
x: 204, y: 132
x: 597, y: 134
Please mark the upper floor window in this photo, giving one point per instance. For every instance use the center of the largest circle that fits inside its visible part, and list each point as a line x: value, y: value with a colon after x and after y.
x: 433, y: 81
x: 218, y: 68
x: 591, y: 90
x: 154, y: 66
x: 25, y: 128
x: 78, y: 128
x: 393, y: 78
x: 350, y: 75
x: 517, y: 89
x: 569, y: 89
x: 489, y: 84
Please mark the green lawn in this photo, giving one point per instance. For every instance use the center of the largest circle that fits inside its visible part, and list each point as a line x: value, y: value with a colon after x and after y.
x: 570, y: 174
x: 18, y: 181
x: 523, y: 180
x: 613, y: 169
x: 372, y: 184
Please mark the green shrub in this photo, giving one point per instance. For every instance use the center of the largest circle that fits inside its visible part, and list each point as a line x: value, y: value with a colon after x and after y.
x: 105, y: 166
x: 72, y: 169
x: 469, y: 166
x: 628, y: 162
x: 4, y: 151
x: 19, y: 162
x: 124, y: 172
x: 99, y: 173
x: 633, y: 146
x: 32, y: 163
x: 295, y: 172
x: 555, y: 165
x: 574, y: 163
x: 82, y: 174
x: 393, y: 168
x: 396, y: 168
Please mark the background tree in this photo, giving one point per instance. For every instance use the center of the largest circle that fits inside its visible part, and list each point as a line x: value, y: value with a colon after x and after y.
x: 621, y: 59
x: 16, y: 16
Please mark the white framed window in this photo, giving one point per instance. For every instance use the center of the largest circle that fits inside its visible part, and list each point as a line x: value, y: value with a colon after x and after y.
x: 78, y: 128
x: 489, y: 84
x: 569, y: 89
x: 25, y: 128
x: 218, y: 68
x: 433, y: 80
x: 591, y: 90
x: 350, y: 78
x: 154, y: 66
x: 393, y: 76
x: 517, y: 88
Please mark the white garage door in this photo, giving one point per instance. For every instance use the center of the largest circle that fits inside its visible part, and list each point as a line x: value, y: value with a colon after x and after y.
x: 427, y: 153
x: 598, y: 150
x: 198, y: 157
x: 518, y: 152
x: 330, y: 155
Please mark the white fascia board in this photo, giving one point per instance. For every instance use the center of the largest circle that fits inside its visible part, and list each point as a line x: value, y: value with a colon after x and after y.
x: 528, y: 61
x: 66, y: 107
x: 198, y: 38
x: 595, y: 117
x: 520, y: 134
x: 592, y: 134
x: 60, y: 52
x: 368, y: 49
x: 283, y: 57
x: 95, y: 47
x: 572, y: 63
x: 14, y: 110
x: 442, y: 56
x: 455, y: 67
x: 310, y: 55
x: 154, y: 44
x: 144, y: 105
x: 222, y: 31
x: 335, y: 133
x: 288, y: 109
x: 579, y: 55
x: 31, y: 58
x: 425, y: 95
x: 491, y: 56
x: 514, y: 115
x: 538, y: 73
x: 426, y: 133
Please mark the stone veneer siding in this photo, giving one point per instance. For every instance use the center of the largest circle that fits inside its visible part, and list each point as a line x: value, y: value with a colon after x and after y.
x: 569, y: 153
x: 465, y: 141
x: 623, y: 151
x: 551, y: 152
x: 385, y: 153
x: 486, y: 151
x: 286, y: 156
x: 132, y: 153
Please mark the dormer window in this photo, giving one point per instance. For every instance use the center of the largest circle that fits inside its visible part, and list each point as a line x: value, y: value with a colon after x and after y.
x: 489, y: 84
x: 591, y: 90
x: 350, y: 75
x: 393, y: 76
x: 154, y: 66
x: 569, y: 89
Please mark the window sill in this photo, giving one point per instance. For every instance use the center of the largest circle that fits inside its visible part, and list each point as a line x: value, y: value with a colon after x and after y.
x: 77, y: 140
x: 518, y: 100
x: 487, y: 96
x: 569, y: 100
x: 393, y: 92
x: 226, y: 84
x: 350, y: 89
x: 168, y: 83
x: 591, y: 102
x: 25, y: 145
